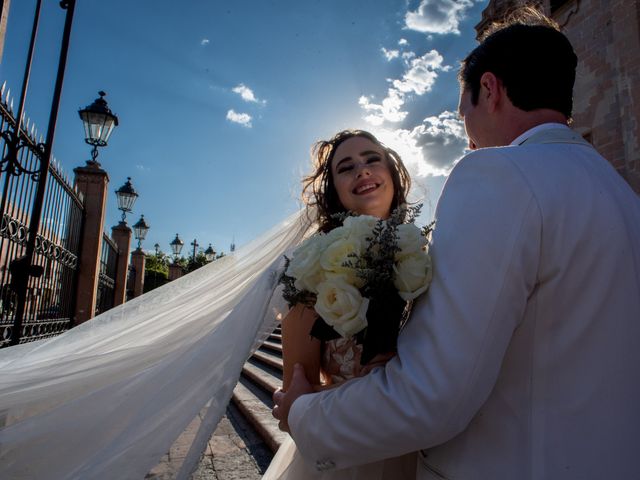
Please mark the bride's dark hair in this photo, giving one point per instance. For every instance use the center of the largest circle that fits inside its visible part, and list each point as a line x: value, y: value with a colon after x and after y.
x: 318, y: 189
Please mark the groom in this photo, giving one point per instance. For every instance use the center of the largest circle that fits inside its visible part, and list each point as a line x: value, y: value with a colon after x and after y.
x: 523, y: 359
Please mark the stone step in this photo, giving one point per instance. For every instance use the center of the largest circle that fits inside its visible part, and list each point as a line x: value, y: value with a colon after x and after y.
x: 265, y: 377
x: 234, y: 451
x: 276, y: 337
x: 273, y: 346
x: 268, y: 357
x: 255, y: 405
x: 248, y: 435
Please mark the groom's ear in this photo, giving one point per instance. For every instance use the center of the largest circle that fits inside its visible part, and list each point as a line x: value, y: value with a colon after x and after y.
x: 491, y: 91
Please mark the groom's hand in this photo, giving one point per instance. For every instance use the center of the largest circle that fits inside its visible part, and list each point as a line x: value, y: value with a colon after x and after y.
x: 283, y: 400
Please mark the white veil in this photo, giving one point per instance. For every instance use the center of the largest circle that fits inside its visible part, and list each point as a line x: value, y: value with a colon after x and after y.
x: 108, y: 398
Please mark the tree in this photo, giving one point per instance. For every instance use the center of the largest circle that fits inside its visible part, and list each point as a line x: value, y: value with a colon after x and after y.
x: 156, y: 271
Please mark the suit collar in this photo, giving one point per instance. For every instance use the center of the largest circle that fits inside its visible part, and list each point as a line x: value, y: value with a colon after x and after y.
x: 553, y: 133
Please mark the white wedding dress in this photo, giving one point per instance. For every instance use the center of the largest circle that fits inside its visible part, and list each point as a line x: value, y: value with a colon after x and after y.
x: 108, y: 398
x: 340, y: 360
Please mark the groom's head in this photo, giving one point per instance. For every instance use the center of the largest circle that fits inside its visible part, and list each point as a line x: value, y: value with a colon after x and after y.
x: 529, y: 59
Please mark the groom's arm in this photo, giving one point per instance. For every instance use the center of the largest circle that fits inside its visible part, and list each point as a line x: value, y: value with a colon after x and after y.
x: 485, y: 255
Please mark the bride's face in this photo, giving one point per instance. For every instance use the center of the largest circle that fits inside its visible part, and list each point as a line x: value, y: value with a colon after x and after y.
x: 362, y: 178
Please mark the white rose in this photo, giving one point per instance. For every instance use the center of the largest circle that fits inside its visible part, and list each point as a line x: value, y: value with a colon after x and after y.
x: 342, y: 306
x: 339, y: 252
x: 413, y: 275
x: 334, y: 235
x: 304, y: 267
x: 360, y: 227
x: 410, y: 240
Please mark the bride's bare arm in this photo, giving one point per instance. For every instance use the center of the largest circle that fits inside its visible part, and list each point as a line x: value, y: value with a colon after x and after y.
x: 298, y: 346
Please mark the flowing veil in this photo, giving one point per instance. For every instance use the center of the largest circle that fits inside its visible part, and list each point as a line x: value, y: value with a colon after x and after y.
x: 108, y: 398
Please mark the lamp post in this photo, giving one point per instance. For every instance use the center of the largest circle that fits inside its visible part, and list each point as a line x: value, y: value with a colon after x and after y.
x: 98, y: 122
x: 127, y: 196
x: 176, y: 247
x: 210, y: 254
x: 140, y: 230
x: 22, y: 268
x: 155, y: 270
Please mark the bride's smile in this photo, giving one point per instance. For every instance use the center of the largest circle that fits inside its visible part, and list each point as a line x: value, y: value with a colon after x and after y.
x: 362, y: 177
x: 365, y: 187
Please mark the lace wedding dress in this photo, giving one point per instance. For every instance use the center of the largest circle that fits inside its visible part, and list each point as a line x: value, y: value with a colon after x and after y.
x: 341, y: 361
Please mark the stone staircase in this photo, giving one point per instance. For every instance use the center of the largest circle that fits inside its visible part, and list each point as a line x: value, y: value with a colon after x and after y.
x: 261, y: 376
x: 244, y: 442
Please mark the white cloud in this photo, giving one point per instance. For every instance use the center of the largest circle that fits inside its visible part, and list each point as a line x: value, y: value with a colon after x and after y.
x: 204, y: 41
x: 390, y: 54
x: 422, y: 73
x: 403, y: 41
x: 243, y: 119
x: 389, y: 110
x: 438, y: 16
x: 418, y: 79
x: 431, y: 148
x: 247, y: 94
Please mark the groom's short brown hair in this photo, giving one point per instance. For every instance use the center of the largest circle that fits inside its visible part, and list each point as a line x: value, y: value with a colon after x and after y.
x: 533, y: 59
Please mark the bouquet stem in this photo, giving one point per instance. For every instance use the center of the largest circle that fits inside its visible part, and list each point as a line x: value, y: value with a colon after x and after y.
x: 384, y: 316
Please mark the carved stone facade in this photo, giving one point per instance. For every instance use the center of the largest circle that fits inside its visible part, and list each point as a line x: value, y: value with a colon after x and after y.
x: 606, y: 37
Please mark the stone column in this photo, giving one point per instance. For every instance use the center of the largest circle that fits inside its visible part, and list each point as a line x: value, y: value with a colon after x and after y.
x: 175, y: 272
x: 138, y: 261
x: 92, y: 181
x: 121, y: 235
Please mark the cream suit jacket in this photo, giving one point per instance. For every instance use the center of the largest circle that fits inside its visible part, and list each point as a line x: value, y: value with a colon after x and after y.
x: 523, y: 359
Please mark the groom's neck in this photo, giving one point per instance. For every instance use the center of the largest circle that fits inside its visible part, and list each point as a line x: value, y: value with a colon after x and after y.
x: 516, y: 122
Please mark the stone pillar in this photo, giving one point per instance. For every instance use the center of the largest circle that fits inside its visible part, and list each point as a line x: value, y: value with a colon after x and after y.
x: 92, y: 181
x: 121, y: 235
x: 175, y: 272
x: 138, y: 260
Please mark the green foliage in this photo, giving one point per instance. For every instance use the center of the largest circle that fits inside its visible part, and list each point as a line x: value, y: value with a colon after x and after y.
x: 195, y: 263
x: 154, y: 279
x: 156, y: 271
x: 158, y: 262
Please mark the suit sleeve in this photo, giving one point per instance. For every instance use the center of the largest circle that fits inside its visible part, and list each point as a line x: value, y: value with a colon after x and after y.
x: 485, y: 252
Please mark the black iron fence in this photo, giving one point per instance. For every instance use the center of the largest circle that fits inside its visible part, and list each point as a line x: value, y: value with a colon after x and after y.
x: 107, y: 277
x: 50, y: 304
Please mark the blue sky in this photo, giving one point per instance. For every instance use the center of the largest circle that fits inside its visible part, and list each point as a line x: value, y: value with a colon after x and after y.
x: 220, y: 101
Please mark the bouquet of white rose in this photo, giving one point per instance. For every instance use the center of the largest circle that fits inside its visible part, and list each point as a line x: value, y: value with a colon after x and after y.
x: 359, y: 277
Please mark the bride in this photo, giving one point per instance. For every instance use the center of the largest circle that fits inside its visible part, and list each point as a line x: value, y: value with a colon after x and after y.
x: 353, y: 172
x: 108, y: 398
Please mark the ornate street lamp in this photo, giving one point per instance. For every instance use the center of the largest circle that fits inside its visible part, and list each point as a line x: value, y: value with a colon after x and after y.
x: 176, y: 246
x: 140, y: 230
x: 157, y: 248
x: 126, y: 198
x: 210, y: 254
x: 98, y: 122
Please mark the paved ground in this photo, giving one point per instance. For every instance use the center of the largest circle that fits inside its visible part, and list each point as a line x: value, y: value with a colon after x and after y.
x: 234, y: 452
